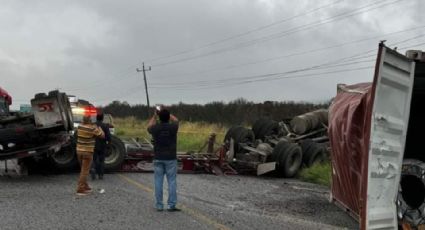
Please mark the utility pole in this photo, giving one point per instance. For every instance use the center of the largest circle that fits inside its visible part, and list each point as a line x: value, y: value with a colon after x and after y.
x: 146, y: 84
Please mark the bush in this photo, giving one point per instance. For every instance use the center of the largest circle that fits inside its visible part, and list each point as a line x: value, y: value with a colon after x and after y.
x: 318, y: 174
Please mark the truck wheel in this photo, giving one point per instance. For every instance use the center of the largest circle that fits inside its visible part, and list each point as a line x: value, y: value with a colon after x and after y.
x: 240, y: 135
x: 115, y: 154
x: 65, y: 159
x: 229, y: 133
x: 316, y: 153
x: 244, y: 135
x: 277, y: 150
x: 306, y: 144
x: 290, y: 160
x: 411, y: 193
x: 257, y: 126
x: 288, y: 157
x: 269, y: 128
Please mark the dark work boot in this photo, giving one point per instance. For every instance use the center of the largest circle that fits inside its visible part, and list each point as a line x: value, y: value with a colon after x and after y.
x: 100, y: 177
x: 174, y: 209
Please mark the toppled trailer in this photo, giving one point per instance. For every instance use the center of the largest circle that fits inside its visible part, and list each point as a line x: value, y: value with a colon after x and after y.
x: 376, y: 137
x: 211, y: 158
x: 42, y: 133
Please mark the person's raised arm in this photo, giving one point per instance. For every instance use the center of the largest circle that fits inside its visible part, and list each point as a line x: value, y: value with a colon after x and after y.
x: 173, y: 118
x: 152, y: 121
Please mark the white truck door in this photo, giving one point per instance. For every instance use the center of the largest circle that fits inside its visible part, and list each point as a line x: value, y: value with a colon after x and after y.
x: 390, y: 117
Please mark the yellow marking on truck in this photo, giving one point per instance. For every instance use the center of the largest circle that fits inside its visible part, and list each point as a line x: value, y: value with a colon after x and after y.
x: 184, y: 208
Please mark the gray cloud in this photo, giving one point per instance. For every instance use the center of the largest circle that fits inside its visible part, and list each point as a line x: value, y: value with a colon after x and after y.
x: 91, y: 48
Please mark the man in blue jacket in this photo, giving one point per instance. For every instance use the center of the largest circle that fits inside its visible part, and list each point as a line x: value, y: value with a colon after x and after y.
x: 164, y: 135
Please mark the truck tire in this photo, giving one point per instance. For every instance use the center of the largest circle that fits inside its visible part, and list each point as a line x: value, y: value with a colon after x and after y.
x: 288, y: 158
x: 258, y: 124
x: 316, y: 154
x: 244, y: 135
x: 240, y: 135
x: 312, y: 152
x: 115, y: 154
x: 265, y: 127
x: 280, y: 146
x: 229, y: 133
x: 411, y: 193
x: 65, y: 159
x: 306, y: 144
x: 290, y: 161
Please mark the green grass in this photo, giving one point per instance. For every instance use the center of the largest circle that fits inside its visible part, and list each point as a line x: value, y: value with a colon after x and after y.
x: 318, y: 174
x: 191, y: 136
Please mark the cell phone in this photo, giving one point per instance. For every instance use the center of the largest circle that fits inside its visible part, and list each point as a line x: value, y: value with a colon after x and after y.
x: 157, y: 109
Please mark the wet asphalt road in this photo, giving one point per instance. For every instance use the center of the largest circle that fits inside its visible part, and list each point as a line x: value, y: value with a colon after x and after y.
x: 207, y: 202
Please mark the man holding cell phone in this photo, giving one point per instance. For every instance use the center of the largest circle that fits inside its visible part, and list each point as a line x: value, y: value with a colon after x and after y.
x: 164, y: 133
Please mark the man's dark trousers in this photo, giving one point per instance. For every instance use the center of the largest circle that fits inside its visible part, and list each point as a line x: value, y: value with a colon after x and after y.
x: 98, y: 163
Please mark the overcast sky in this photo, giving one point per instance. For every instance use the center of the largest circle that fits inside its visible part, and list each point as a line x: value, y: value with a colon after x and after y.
x: 199, y: 50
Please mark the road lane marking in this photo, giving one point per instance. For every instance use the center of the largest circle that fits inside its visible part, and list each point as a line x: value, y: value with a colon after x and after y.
x: 137, y: 184
x: 184, y: 208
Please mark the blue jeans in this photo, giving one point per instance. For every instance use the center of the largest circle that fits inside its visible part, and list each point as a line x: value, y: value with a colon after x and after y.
x: 169, y: 168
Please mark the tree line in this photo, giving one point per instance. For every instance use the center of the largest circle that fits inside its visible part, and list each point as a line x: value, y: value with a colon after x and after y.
x: 239, y: 111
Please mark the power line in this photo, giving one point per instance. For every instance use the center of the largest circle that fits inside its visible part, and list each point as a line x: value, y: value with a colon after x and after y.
x: 246, y: 33
x: 277, y: 35
x: 412, y: 46
x: 237, y: 80
x: 242, y: 79
x: 278, y: 77
x: 345, y: 15
x: 305, y: 75
x: 301, y: 53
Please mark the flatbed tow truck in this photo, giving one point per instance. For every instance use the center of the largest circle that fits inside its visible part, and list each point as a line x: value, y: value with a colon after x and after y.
x: 39, y: 134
